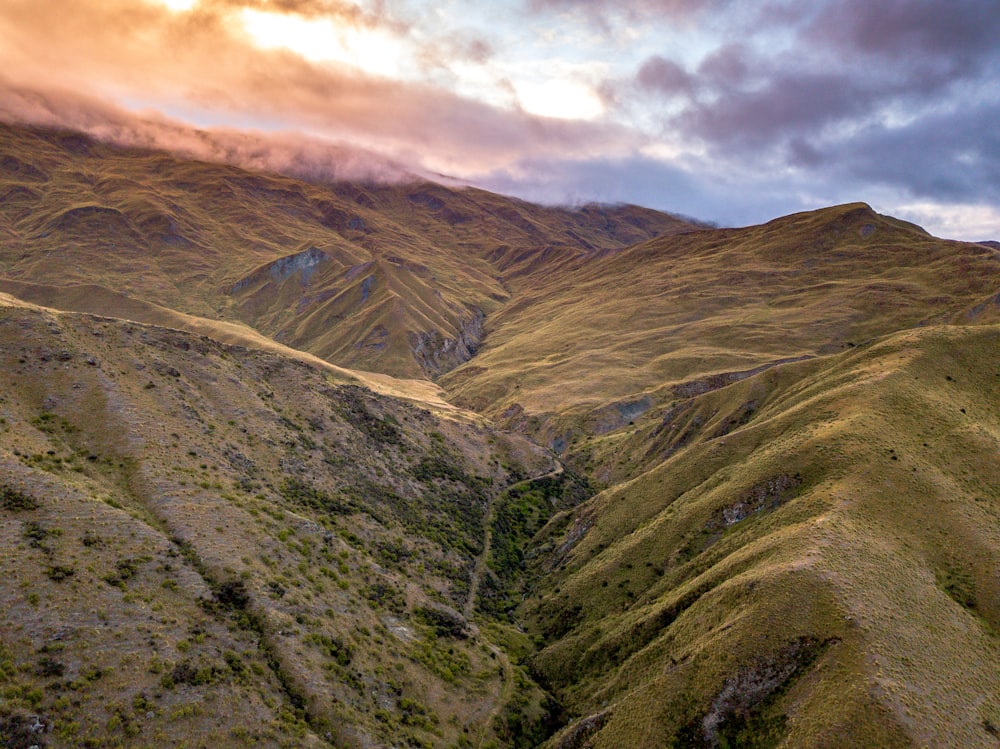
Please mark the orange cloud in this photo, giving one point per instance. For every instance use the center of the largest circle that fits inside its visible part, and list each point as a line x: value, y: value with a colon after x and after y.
x: 203, y: 65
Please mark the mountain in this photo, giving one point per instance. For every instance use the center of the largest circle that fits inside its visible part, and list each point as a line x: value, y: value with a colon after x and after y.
x: 390, y: 278
x: 806, y: 557
x: 370, y: 465
x: 632, y: 330
x: 206, y: 542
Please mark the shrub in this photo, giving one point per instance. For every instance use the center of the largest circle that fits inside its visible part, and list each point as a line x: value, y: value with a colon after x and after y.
x: 58, y: 572
x: 301, y: 493
x: 233, y: 594
x: 15, y: 500
x: 445, y: 622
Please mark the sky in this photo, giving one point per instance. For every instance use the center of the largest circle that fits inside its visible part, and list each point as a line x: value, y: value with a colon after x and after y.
x: 728, y: 111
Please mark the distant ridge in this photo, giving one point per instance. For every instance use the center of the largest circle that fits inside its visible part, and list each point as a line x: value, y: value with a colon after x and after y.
x: 189, y: 235
x: 362, y: 465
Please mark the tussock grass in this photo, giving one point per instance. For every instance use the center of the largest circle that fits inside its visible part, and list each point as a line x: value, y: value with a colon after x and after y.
x: 884, y: 551
x: 250, y: 535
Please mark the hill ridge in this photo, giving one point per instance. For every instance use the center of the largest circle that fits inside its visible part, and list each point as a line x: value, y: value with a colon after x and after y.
x: 365, y: 465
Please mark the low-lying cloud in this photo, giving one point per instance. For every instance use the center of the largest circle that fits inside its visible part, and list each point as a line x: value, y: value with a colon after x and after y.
x: 765, y: 109
x: 127, y: 51
x: 286, y: 153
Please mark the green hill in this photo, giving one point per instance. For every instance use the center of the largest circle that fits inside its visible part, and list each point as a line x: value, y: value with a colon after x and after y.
x: 367, y: 465
x: 806, y: 558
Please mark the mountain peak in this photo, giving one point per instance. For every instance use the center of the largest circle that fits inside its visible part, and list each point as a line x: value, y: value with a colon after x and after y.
x: 740, y: 483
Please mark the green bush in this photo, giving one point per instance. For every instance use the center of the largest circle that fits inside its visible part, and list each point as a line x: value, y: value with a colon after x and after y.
x: 15, y: 500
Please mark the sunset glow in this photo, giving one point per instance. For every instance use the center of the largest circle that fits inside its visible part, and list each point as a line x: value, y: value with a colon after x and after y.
x: 324, y: 40
x: 562, y: 99
x: 709, y: 108
x: 179, y: 6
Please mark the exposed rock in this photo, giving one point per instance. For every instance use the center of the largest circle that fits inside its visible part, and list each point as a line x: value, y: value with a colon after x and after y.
x: 437, y: 354
x: 616, y: 415
x: 754, y: 683
x: 765, y: 495
x: 576, y: 736
x: 281, y: 269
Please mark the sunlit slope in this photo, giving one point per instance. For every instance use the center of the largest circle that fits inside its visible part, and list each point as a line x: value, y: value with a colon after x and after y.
x: 98, y: 300
x: 391, y: 278
x: 626, y: 328
x: 805, y: 558
x: 206, y: 543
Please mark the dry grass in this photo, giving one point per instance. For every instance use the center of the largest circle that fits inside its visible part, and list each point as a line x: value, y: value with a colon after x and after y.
x: 230, y: 545
x: 628, y: 328
x: 217, y: 537
x: 886, y: 551
x: 383, y: 270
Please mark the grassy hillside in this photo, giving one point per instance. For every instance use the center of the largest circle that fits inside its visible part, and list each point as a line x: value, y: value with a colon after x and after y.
x: 212, y: 544
x: 255, y: 488
x: 602, y: 344
x: 815, y: 569
x: 390, y: 278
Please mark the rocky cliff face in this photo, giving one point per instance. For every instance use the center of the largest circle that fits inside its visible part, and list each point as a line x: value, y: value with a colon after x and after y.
x: 437, y: 353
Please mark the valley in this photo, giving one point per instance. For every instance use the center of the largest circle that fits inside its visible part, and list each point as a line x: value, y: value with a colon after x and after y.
x: 286, y: 463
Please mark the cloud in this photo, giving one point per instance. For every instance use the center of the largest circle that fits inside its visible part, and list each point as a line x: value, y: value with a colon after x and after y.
x: 664, y: 75
x: 973, y: 222
x: 673, y: 9
x: 951, y: 155
x: 728, y: 111
x: 726, y: 67
x: 898, y: 94
x: 202, y: 61
x: 910, y: 30
x: 285, y: 153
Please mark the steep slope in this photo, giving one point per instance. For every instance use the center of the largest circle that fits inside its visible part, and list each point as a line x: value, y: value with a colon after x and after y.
x: 213, y: 544
x: 212, y: 536
x: 804, y: 558
x: 605, y: 342
x: 390, y: 278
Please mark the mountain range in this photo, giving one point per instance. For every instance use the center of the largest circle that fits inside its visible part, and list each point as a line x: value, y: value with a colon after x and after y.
x: 286, y: 463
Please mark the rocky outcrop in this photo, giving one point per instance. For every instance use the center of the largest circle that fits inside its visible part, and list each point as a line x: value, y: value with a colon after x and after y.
x: 437, y: 354
x: 281, y: 269
x: 616, y: 415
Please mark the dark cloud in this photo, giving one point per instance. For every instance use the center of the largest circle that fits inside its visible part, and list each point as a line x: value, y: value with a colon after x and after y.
x: 664, y: 75
x: 727, y: 67
x: 900, y: 93
x: 910, y: 29
x: 789, y: 104
x: 951, y: 155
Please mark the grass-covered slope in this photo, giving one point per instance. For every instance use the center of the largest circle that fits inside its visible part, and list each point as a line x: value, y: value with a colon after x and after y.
x: 209, y: 544
x: 603, y: 343
x: 212, y: 533
x: 805, y: 558
x: 389, y: 278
